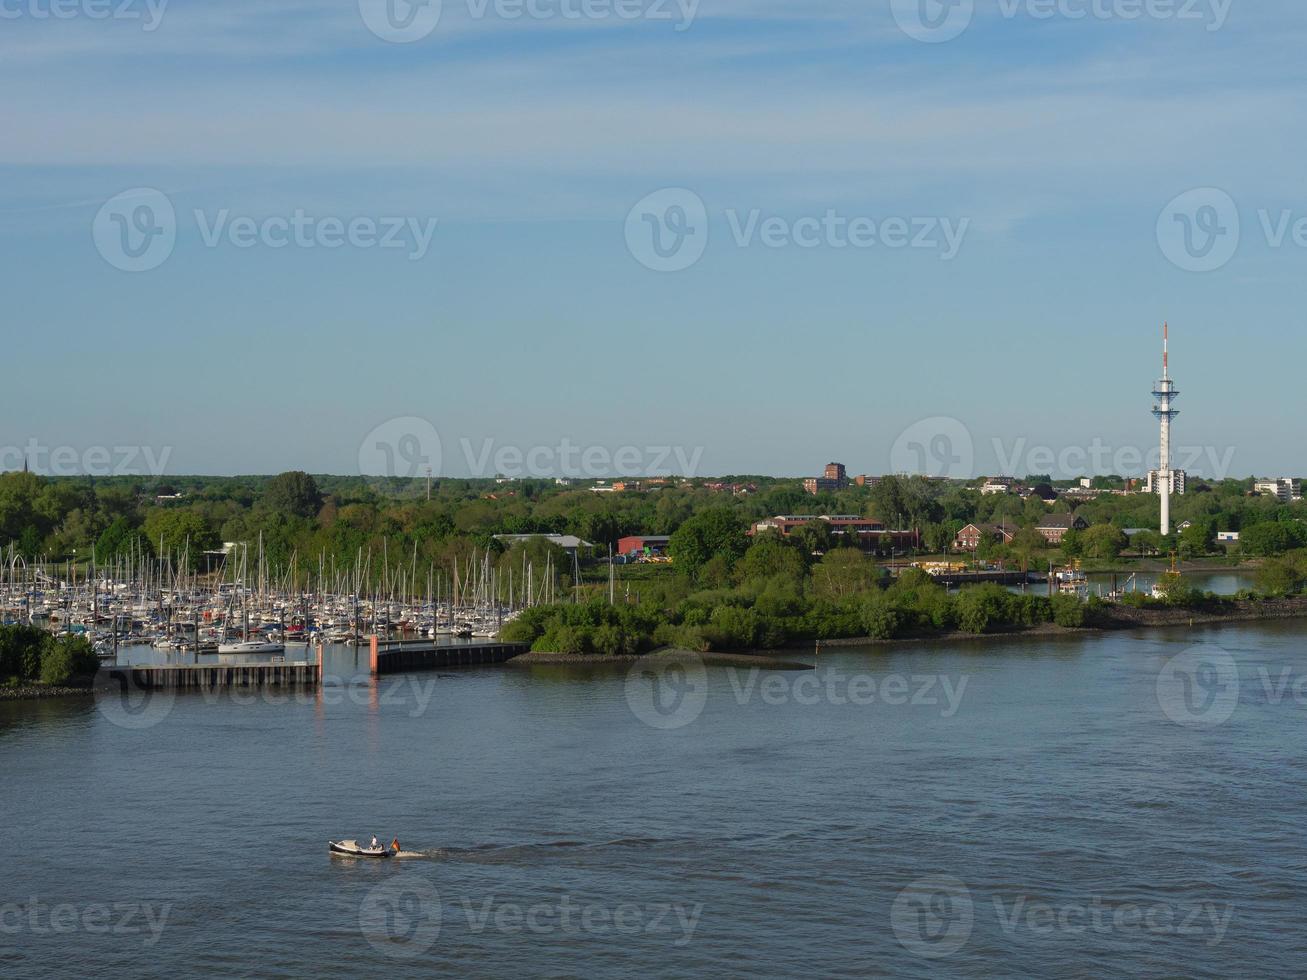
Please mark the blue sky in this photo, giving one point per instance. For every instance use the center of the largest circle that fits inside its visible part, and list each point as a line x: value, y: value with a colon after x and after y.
x: 1058, y: 143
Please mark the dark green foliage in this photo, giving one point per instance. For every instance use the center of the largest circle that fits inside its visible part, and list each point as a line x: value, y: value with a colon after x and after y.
x: 29, y: 654
x: 294, y: 494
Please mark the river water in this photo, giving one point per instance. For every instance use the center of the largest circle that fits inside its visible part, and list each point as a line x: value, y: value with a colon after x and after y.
x: 1128, y: 804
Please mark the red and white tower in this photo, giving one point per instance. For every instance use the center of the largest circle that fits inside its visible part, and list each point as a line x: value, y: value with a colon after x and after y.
x: 1165, y: 393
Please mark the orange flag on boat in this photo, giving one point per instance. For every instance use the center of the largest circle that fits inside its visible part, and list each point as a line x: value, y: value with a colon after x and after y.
x: 394, y: 845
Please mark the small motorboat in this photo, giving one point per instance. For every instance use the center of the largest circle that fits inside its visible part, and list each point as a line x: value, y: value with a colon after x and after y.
x: 352, y: 848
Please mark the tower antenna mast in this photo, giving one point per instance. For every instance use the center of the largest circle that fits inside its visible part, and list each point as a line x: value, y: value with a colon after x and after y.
x: 1165, y: 393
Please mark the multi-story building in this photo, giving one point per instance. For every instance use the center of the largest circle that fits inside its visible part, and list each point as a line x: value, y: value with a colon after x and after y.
x: 1054, y: 527
x: 1285, y: 489
x: 834, y: 478
x: 1179, y: 481
x: 970, y: 537
x: 998, y: 484
x: 870, y: 534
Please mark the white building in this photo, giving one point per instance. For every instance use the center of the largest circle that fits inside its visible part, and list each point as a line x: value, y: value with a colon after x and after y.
x: 1285, y: 488
x: 1179, y: 481
x: 999, y: 484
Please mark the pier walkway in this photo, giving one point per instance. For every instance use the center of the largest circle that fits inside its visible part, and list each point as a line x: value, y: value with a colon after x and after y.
x: 398, y: 656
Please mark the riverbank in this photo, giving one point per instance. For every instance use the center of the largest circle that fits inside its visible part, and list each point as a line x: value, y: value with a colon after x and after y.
x: 1108, y: 619
x: 40, y: 692
x: 767, y: 660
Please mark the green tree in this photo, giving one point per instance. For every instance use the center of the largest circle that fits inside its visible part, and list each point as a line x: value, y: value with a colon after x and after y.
x: 294, y: 493
x: 980, y: 607
x: 844, y: 573
x: 1103, y: 541
x: 714, y: 533
x: 66, y: 658
x: 880, y: 618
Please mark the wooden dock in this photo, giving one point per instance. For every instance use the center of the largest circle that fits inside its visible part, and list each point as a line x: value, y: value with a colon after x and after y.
x: 212, y: 677
x: 398, y: 656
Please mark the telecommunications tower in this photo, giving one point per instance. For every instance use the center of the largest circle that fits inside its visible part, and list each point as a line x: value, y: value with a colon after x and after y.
x: 1165, y: 394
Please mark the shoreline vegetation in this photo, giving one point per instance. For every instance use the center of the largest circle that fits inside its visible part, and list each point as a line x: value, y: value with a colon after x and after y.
x: 1213, y: 611
x: 724, y: 578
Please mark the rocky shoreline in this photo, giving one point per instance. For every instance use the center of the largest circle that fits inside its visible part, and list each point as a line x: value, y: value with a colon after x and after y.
x: 41, y: 692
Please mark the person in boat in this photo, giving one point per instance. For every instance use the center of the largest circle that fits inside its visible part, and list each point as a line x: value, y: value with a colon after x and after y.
x: 374, y: 844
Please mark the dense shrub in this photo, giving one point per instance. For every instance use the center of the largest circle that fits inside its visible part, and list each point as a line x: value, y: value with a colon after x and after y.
x: 1068, y: 611
x: 880, y: 618
x: 29, y: 654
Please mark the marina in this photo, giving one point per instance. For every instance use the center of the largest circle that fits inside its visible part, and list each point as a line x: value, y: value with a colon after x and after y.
x: 246, y: 608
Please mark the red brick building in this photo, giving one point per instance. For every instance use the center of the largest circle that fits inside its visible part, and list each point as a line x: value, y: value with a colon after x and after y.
x: 969, y: 537
x: 871, y: 535
x: 1055, y: 526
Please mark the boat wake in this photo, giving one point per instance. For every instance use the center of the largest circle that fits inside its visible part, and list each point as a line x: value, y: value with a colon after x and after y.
x: 513, y: 853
